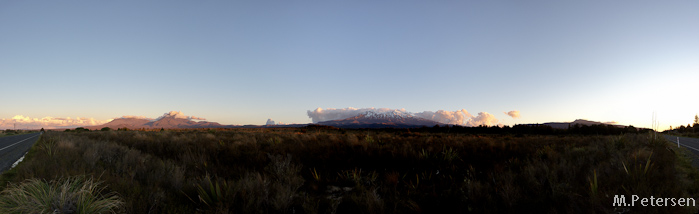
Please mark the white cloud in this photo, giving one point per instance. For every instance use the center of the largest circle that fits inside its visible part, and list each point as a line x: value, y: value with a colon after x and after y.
x: 179, y: 115
x: 270, y: 122
x: 175, y: 114
x: 513, y: 114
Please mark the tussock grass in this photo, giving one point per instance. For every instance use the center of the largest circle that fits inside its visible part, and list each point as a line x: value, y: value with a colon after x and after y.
x: 315, y: 170
x: 70, y: 195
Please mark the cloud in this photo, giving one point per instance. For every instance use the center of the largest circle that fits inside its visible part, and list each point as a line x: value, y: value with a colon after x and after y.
x: 270, y: 122
x: 179, y: 115
x: 459, y: 117
x: 135, y: 117
x: 483, y: 118
x: 513, y: 114
x: 23, y: 122
x: 175, y: 114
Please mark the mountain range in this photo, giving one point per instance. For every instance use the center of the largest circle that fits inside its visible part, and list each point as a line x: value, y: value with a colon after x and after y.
x: 369, y: 119
x: 167, y: 122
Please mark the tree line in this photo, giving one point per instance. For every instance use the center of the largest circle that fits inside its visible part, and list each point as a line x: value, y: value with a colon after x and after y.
x: 690, y: 129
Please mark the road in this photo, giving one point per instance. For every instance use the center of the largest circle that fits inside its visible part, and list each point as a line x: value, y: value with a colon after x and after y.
x: 692, y: 144
x: 13, y: 147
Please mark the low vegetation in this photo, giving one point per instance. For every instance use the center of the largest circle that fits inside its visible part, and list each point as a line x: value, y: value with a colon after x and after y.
x: 691, y: 130
x: 9, y: 132
x: 70, y: 195
x: 326, y: 170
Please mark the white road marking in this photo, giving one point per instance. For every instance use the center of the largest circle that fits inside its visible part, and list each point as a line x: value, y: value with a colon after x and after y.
x: 16, y: 143
x: 695, y: 149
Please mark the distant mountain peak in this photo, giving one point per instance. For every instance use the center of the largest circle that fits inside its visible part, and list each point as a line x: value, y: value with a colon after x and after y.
x: 172, y: 119
x: 395, y: 114
x: 582, y: 122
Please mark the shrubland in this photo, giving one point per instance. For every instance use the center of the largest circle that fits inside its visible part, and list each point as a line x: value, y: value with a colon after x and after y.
x: 8, y: 132
x: 325, y: 170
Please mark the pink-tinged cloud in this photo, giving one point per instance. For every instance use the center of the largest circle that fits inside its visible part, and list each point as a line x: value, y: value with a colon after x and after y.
x: 459, y: 117
x: 483, y: 118
x: 513, y: 114
x: 23, y: 122
x: 135, y: 117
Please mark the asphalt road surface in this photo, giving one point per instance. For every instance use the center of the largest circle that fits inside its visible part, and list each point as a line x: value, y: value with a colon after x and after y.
x: 692, y: 144
x: 14, y: 147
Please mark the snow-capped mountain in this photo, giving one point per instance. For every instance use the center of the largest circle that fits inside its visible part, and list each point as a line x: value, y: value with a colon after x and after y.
x: 372, y: 119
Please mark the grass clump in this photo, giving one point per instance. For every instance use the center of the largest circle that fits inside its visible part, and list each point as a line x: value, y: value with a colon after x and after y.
x: 69, y: 195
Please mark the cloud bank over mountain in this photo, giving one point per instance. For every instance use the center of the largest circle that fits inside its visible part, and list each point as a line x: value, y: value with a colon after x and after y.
x: 179, y: 115
x: 135, y: 117
x: 320, y: 115
x: 458, y: 117
x: 23, y: 122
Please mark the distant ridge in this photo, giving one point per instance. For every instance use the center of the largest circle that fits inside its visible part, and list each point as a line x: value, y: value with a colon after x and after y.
x: 564, y: 125
x: 167, y: 122
x: 130, y: 123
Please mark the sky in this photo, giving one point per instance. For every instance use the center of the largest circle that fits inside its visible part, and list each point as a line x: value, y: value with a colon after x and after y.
x: 244, y: 62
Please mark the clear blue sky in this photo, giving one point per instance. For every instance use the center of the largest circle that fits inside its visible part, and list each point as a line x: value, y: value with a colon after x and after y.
x: 241, y: 62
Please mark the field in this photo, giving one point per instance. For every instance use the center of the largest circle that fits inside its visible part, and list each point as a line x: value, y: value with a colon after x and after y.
x: 324, y: 170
